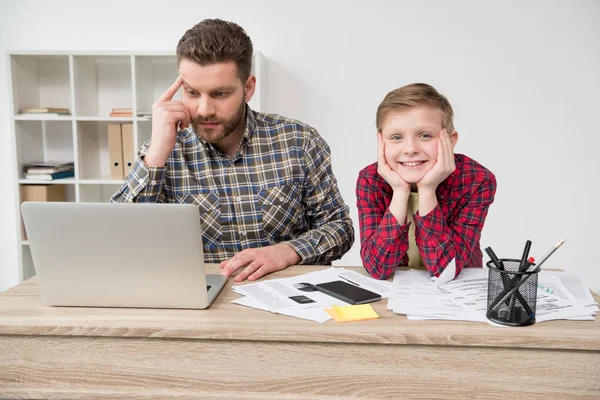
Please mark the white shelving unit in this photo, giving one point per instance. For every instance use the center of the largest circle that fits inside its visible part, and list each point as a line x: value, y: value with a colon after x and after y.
x: 90, y: 85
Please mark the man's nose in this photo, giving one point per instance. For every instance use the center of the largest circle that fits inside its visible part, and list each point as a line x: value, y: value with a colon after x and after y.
x: 206, y: 107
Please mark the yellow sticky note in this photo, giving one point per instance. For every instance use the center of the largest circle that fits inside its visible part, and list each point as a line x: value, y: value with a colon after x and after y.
x: 352, y: 313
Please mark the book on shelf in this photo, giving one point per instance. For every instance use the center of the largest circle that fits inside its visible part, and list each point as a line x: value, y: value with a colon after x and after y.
x: 51, y: 177
x: 48, y: 167
x: 121, y: 112
x: 45, y: 110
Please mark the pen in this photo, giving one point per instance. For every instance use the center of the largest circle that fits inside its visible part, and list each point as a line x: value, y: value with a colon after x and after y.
x: 346, y: 279
x: 522, y: 267
x: 494, y: 258
x: 499, y: 300
x: 500, y: 266
x: 556, y: 246
x: 527, y: 264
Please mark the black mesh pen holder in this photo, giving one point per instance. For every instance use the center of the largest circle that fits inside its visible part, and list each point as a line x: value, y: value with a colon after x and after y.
x: 511, y: 294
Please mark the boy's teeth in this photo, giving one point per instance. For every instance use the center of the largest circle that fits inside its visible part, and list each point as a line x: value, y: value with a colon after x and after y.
x: 411, y: 163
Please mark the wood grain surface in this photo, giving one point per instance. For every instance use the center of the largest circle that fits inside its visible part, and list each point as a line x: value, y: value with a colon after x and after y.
x: 230, y: 351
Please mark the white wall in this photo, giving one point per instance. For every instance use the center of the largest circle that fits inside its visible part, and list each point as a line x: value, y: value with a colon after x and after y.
x: 522, y: 77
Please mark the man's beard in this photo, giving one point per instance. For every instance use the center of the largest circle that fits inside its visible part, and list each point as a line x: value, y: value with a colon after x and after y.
x: 209, y: 135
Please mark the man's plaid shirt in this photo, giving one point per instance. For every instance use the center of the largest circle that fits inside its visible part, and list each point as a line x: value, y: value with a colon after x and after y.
x: 279, y: 187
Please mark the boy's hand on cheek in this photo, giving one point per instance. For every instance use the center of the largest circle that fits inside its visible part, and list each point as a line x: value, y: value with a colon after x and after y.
x: 443, y: 167
x: 392, y: 177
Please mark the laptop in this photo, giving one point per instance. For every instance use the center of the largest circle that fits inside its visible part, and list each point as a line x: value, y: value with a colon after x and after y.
x: 119, y: 255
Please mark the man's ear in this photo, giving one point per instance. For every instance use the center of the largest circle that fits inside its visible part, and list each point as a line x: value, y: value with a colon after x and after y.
x: 249, y: 87
x: 454, y: 138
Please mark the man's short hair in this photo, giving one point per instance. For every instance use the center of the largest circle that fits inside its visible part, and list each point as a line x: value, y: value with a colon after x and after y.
x: 213, y: 41
x: 415, y: 95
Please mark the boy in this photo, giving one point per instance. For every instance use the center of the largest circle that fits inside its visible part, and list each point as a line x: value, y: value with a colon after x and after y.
x: 420, y: 204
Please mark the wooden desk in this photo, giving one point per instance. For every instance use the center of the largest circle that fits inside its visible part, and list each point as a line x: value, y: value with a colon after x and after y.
x: 229, y: 351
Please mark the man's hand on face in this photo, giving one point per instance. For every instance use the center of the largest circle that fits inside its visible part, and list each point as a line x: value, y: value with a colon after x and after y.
x: 260, y: 261
x: 168, y: 116
x: 443, y: 167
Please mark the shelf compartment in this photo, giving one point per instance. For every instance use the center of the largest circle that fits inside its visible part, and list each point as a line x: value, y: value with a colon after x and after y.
x: 40, y: 81
x: 43, y: 141
x: 101, y: 84
x: 94, y: 159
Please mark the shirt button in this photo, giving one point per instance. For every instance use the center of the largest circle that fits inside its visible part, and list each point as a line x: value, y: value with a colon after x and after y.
x: 243, y: 233
x: 280, y: 198
x: 141, y: 181
x: 238, y: 198
x: 153, y: 182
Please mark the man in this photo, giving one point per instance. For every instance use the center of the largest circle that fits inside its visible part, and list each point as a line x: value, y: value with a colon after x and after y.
x: 263, y: 183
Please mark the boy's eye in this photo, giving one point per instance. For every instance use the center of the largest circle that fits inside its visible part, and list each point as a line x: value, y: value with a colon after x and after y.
x: 395, y: 137
x: 426, y: 135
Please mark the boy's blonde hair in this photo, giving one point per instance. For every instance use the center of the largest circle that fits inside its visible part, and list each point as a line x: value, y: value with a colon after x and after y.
x: 414, y: 95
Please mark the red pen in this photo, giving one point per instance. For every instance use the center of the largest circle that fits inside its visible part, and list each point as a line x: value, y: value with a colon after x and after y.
x: 528, y: 263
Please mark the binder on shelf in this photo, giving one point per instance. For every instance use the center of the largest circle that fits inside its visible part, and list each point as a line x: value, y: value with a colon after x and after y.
x: 115, y: 151
x: 128, y: 148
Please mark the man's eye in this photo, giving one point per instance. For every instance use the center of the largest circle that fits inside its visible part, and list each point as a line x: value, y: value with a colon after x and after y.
x: 192, y: 93
x: 220, y: 94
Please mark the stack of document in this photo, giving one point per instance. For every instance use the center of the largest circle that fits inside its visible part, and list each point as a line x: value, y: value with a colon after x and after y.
x: 415, y: 294
x: 295, y: 296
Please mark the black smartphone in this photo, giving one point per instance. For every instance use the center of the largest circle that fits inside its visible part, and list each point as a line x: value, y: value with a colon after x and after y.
x: 347, y: 292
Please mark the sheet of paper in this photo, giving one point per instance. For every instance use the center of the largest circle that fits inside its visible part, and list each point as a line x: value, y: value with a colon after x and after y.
x: 558, y: 303
x: 383, y: 288
x: 416, y: 294
x: 573, y: 284
x: 293, y: 292
x: 448, y: 274
x: 469, y: 289
x: 316, y: 314
x: 466, y: 297
x: 295, y: 296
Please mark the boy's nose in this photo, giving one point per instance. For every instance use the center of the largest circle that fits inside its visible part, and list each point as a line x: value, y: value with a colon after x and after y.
x: 410, y: 150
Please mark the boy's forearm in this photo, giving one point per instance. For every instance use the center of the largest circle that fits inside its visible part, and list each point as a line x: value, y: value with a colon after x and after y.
x: 427, y: 201
x: 399, y: 205
x: 383, y: 246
